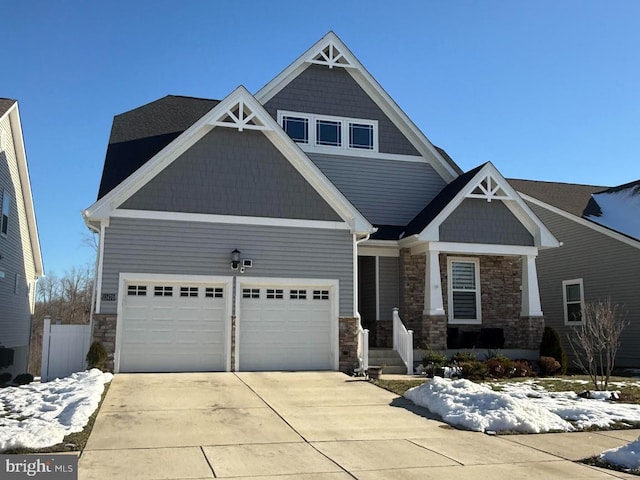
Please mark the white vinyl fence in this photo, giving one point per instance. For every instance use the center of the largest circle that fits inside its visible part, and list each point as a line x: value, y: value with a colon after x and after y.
x: 64, y: 349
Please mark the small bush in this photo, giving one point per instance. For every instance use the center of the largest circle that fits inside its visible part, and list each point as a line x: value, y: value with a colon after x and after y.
x: 5, y: 378
x: 23, y: 379
x: 500, y: 366
x: 473, y: 370
x: 97, y: 356
x: 438, y: 359
x: 548, y: 365
x: 551, y: 346
x: 464, y: 356
x: 522, y: 368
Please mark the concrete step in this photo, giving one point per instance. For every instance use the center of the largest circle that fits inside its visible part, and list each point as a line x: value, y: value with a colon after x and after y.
x: 388, y: 358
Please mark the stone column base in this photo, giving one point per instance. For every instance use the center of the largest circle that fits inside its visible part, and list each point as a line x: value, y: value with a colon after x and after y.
x: 104, y: 330
x: 433, y: 332
x: 348, y: 344
x: 530, y: 332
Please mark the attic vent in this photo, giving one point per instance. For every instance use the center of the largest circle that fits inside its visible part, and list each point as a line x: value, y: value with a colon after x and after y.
x: 240, y: 116
x: 330, y: 56
x: 489, y: 189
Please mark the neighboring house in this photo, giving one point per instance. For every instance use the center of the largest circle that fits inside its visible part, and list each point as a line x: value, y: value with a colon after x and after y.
x: 20, y: 258
x: 259, y: 231
x: 599, y: 259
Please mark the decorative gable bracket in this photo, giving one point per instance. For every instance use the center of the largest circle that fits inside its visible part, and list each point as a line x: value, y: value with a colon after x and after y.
x: 488, y: 188
x: 239, y: 116
x: 330, y: 55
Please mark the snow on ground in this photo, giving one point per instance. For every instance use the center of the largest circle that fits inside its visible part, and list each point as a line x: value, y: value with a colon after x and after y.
x: 627, y: 456
x: 520, y: 407
x: 39, y: 415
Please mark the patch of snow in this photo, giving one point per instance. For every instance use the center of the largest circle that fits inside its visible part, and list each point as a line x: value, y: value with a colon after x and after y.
x: 620, y: 211
x: 627, y: 456
x: 519, y: 406
x: 39, y: 415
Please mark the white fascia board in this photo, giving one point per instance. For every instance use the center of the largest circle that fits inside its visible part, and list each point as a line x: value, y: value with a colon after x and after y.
x: 25, y: 185
x: 582, y: 221
x: 361, y: 154
x: 371, y: 86
x: 475, y: 249
x: 228, y: 219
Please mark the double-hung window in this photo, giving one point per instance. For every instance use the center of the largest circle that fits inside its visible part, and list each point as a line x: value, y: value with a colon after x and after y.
x: 325, y: 132
x: 464, y: 290
x: 573, y: 301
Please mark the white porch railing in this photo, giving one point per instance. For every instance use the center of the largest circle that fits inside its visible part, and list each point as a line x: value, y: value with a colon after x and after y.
x: 363, y: 349
x: 403, y: 341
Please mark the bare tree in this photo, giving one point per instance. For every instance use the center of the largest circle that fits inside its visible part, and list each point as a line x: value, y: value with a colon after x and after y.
x: 596, y: 341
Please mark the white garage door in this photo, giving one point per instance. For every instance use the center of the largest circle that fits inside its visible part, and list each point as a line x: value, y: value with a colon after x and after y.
x: 173, y: 327
x: 285, y: 328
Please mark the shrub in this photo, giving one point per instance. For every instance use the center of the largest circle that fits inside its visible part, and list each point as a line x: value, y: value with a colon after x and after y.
x: 500, y: 366
x: 438, y: 359
x: 551, y: 346
x: 464, y: 356
x: 97, y: 356
x: 522, y: 368
x: 23, y: 379
x: 473, y: 370
x: 548, y: 365
x: 5, y: 378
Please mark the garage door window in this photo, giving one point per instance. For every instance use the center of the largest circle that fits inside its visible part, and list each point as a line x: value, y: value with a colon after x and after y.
x: 250, y: 293
x: 321, y: 294
x: 213, y: 292
x: 298, y: 294
x: 188, y: 291
x: 137, y: 290
x: 275, y: 293
x: 163, y: 291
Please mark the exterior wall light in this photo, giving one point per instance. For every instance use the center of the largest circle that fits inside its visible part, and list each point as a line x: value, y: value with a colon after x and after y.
x: 235, y: 259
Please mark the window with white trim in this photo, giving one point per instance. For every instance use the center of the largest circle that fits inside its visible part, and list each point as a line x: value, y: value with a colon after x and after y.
x: 275, y: 293
x: 188, y: 291
x: 250, y: 293
x: 6, y: 209
x: 162, y: 291
x: 573, y: 301
x: 321, y: 294
x: 214, y: 292
x: 137, y: 290
x: 329, y: 132
x: 297, y: 294
x: 464, y: 290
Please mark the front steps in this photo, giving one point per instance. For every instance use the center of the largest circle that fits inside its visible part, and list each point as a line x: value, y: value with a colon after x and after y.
x: 389, y: 359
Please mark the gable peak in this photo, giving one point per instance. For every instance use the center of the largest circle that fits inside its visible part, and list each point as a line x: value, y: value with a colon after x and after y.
x: 331, y: 52
x: 240, y: 112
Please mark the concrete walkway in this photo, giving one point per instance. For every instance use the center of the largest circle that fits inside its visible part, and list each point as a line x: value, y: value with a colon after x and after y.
x: 323, y: 426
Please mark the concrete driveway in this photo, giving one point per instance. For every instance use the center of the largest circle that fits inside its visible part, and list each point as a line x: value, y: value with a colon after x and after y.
x: 309, y: 426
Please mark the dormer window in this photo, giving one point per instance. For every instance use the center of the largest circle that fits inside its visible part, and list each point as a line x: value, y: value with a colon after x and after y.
x: 325, y: 133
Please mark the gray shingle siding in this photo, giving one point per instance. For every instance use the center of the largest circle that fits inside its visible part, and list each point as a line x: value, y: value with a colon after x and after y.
x: 386, y: 192
x: 325, y: 91
x: 191, y: 248
x: 389, y: 287
x: 608, y: 268
x: 479, y: 221
x: 233, y: 173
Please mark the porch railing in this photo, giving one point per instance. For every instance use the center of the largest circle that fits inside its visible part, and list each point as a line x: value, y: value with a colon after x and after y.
x: 363, y: 349
x: 403, y: 341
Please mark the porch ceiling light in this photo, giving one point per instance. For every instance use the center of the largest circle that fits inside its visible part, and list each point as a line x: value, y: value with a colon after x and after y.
x: 235, y: 259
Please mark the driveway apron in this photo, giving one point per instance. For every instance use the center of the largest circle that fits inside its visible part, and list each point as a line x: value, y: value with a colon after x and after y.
x: 308, y: 425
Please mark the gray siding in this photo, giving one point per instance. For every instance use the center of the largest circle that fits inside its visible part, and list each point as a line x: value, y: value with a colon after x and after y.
x: 478, y: 221
x: 609, y: 268
x: 325, y: 91
x: 17, y: 262
x: 233, y: 173
x: 386, y: 192
x: 389, y: 286
x: 191, y: 248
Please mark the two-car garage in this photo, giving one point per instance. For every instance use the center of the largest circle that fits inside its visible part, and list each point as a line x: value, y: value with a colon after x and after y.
x: 188, y: 324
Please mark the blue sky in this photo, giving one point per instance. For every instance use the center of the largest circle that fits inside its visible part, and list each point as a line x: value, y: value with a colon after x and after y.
x: 545, y: 90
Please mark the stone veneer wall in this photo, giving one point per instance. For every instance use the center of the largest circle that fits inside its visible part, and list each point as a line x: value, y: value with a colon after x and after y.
x: 412, y: 272
x: 104, y: 330
x: 348, y: 344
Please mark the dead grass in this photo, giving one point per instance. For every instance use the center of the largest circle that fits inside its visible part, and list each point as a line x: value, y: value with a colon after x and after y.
x: 398, y: 386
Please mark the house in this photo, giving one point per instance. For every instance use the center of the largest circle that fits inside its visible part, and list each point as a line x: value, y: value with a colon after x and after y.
x: 263, y: 231
x: 600, y: 257
x: 20, y: 257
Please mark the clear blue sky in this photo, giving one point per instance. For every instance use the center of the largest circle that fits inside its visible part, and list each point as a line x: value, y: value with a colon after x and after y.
x: 545, y: 90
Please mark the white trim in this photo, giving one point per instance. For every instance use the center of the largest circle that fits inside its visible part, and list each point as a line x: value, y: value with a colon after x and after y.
x: 127, y: 277
x: 577, y: 281
x: 530, y: 297
x: 433, y: 301
x: 474, y: 248
x: 478, y: 319
x: 331, y: 284
x: 382, y: 99
x: 100, y: 267
x: 374, y: 251
x: 541, y: 234
x: 377, y: 283
x: 311, y: 144
x: 582, y: 221
x: 228, y: 219
x: 312, y: 174
x: 361, y: 153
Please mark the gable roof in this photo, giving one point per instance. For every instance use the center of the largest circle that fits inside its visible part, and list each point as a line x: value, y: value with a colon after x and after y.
x: 331, y: 51
x: 9, y: 107
x: 242, y: 111
x: 617, y: 208
x: 139, y: 134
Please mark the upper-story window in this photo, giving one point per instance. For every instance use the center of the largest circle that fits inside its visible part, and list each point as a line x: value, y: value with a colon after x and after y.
x: 326, y: 132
